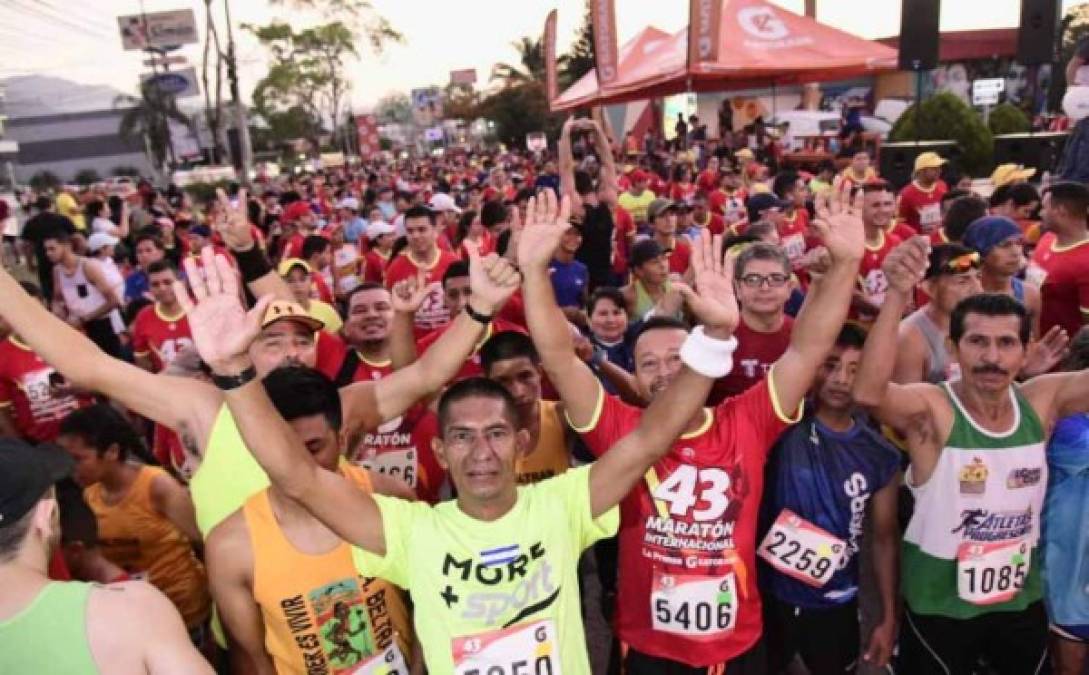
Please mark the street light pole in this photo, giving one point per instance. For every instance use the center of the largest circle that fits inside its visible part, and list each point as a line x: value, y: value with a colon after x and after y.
x: 240, y: 121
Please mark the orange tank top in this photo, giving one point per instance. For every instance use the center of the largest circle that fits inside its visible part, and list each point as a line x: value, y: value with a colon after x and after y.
x: 139, y: 539
x: 320, y: 615
x: 550, y: 457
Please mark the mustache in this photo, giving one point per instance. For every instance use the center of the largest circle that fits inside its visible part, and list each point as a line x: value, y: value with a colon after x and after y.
x: 989, y: 369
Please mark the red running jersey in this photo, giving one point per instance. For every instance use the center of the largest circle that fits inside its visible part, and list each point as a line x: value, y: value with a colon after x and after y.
x: 159, y: 336
x: 433, y: 313
x: 687, y: 586
x: 25, y: 390
x: 401, y: 448
x: 472, y: 367
x: 756, y: 353
x: 921, y: 208
x: 331, y: 352
x: 1062, y: 273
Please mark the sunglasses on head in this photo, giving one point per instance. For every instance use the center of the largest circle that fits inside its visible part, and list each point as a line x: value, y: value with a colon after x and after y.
x: 961, y: 264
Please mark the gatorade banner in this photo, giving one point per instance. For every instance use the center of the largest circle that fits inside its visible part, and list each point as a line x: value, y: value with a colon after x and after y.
x: 603, y: 15
x: 704, y: 22
x: 550, y: 56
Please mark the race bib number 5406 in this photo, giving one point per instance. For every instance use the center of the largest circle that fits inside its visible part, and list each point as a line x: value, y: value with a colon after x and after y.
x: 696, y: 606
x: 526, y: 649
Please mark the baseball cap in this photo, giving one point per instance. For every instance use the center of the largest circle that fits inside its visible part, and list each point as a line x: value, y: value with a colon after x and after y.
x: 659, y: 206
x: 762, y: 201
x: 440, y: 201
x: 376, y: 228
x: 26, y: 473
x: 639, y: 176
x: 989, y: 231
x: 100, y: 239
x: 929, y: 160
x: 288, y: 264
x: 295, y: 211
x: 744, y: 153
x: 350, y: 203
x: 1005, y: 174
x: 292, y: 311
x: 644, y: 251
x: 951, y: 259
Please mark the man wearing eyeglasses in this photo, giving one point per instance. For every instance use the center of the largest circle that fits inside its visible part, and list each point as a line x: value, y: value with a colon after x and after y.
x: 762, y: 278
x: 922, y: 354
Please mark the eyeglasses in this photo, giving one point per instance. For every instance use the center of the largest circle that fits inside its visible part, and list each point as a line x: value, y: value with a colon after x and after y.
x: 775, y: 280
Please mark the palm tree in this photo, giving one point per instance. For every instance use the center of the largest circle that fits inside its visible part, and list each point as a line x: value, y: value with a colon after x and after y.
x: 146, y: 117
x: 531, y: 68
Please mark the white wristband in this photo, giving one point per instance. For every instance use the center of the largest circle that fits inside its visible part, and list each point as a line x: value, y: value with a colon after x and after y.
x: 708, y: 356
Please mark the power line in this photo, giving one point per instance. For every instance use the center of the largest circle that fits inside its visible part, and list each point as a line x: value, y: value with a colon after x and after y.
x: 69, y: 11
x: 38, y: 13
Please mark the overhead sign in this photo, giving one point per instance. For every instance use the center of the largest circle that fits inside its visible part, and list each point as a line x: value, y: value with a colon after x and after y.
x: 464, y: 76
x: 536, y: 141
x: 156, y: 30
x: 988, y: 91
x: 180, y: 83
x: 434, y: 134
x: 175, y: 60
x: 426, y: 106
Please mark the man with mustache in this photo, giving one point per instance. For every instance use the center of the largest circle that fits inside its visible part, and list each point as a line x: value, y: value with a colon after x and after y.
x: 971, y: 586
x: 827, y: 476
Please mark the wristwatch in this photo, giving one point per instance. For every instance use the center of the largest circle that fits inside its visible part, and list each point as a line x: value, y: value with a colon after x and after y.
x: 228, y: 382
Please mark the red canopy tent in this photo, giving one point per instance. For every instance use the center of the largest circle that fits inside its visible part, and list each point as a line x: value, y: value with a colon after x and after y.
x: 758, y: 45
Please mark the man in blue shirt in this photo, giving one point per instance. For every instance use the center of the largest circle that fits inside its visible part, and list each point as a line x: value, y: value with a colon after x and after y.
x: 570, y: 277
x: 825, y: 475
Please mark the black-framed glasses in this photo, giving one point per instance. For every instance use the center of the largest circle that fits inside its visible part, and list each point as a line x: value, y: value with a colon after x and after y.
x: 773, y: 280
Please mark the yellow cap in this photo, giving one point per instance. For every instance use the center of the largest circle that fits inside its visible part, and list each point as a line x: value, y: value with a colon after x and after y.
x: 744, y: 153
x: 287, y: 264
x: 282, y: 309
x: 1011, y: 173
x: 929, y: 160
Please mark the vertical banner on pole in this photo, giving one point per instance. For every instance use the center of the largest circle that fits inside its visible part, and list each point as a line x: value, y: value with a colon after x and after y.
x: 550, y: 56
x: 605, y: 48
x: 704, y: 24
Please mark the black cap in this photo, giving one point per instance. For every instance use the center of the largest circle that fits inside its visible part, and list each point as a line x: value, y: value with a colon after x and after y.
x: 27, y: 473
x: 644, y: 251
x: 763, y: 201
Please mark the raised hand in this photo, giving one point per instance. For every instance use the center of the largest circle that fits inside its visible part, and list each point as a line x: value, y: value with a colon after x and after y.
x: 546, y: 222
x: 492, y: 280
x: 1045, y: 353
x: 713, y: 301
x: 905, y: 265
x: 222, y: 328
x: 839, y: 224
x: 233, y: 223
x: 408, y: 294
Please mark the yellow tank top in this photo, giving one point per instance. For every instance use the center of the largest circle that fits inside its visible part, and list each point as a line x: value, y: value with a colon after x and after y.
x: 550, y: 457
x: 320, y: 615
x: 136, y: 537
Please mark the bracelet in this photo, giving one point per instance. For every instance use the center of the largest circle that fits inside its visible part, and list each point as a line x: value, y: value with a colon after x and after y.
x: 477, y: 316
x: 228, y: 382
x: 252, y: 263
x: 708, y: 356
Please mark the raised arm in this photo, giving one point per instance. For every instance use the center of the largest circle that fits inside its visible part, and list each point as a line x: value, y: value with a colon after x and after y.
x: 222, y: 332
x: 566, y: 162
x: 576, y: 383
x: 606, y: 187
x: 893, y: 404
x: 234, y: 227
x: 174, y: 402
x: 406, y: 295
x: 706, y: 354
x: 839, y: 224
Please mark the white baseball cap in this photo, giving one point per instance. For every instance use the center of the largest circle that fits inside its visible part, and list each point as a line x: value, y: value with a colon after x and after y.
x: 376, y: 228
x: 348, y: 203
x: 100, y: 239
x: 441, y: 201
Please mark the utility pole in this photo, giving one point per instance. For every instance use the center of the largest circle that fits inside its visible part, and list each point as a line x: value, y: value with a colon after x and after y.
x: 240, y: 121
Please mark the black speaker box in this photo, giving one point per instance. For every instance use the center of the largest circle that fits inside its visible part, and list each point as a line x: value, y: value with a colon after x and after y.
x: 919, y: 34
x: 1038, y: 34
x: 1041, y: 151
x: 897, y: 160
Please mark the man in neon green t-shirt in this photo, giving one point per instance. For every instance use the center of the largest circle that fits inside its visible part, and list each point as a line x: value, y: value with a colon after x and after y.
x: 493, y: 575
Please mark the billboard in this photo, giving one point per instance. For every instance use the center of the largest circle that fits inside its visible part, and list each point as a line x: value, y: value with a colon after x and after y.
x: 426, y: 106
x: 180, y: 83
x: 366, y: 129
x: 156, y: 30
x: 465, y: 76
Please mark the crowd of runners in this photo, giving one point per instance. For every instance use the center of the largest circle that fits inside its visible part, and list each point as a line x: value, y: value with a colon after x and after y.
x: 392, y: 417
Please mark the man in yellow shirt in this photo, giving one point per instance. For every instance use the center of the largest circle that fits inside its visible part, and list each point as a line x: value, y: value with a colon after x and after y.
x: 637, y: 198
x: 68, y: 206
x: 299, y: 277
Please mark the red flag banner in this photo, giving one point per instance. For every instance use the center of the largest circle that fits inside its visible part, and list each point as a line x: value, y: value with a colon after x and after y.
x: 605, y: 48
x: 550, y: 56
x: 366, y: 128
x: 704, y: 23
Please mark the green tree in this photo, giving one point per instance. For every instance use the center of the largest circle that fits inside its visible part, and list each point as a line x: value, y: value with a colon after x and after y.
x: 358, y: 15
x: 580, y: 59
x: 146, y: 117
x: 394, y: 109
x: 1008, y: 119
x: 460, y: 101
x: 944, y: 117
x: 517, y: 111
x: 530, y: 68
x: 87, y: 177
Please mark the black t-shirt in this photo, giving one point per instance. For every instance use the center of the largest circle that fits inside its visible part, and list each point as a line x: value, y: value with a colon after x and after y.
x: 597, y: 242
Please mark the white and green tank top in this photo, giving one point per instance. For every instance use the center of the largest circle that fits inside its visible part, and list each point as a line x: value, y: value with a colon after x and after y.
x: 970, y: 546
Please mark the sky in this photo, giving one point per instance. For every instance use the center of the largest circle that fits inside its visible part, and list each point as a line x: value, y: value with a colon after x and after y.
x: 79, y: 41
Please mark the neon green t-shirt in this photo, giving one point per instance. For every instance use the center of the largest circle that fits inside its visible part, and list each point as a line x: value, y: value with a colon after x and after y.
x: 637, y: 206
x: 228, y: 474
x: 502, y: 593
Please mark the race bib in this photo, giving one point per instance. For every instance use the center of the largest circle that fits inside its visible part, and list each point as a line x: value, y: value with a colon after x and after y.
x: 519, y: 650
x: 992, y: 572
x: 874, y: 286
x: 400, y: 464
x: 801, y: 550
x: 433, y: 312
x: 930, y: 216
x: 794, y: 245
x: 695, y: 606
x: 389, y: 662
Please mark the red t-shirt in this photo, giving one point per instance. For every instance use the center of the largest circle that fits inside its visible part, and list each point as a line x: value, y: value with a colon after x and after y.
x: 433, y: 313
x: 731, y: 206
x: 331, y: 352
x: 688, y: 532
x: 679, y: 256
x: 679, y: 192
x: 715, y: 223
x: 755, y: 354
x: 902, y: 230
x: 374, y: 267
x: 793, y: 236
x: 871, y: 279
x: 159, y: 337
x: 293, y: 247
x: 401, y: 448
x: 1063, y: 276
x: 26, y: 392
x: 623, y: 228
x: 707, y: 180
x: 472, y: 367
x: 922, y: 208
